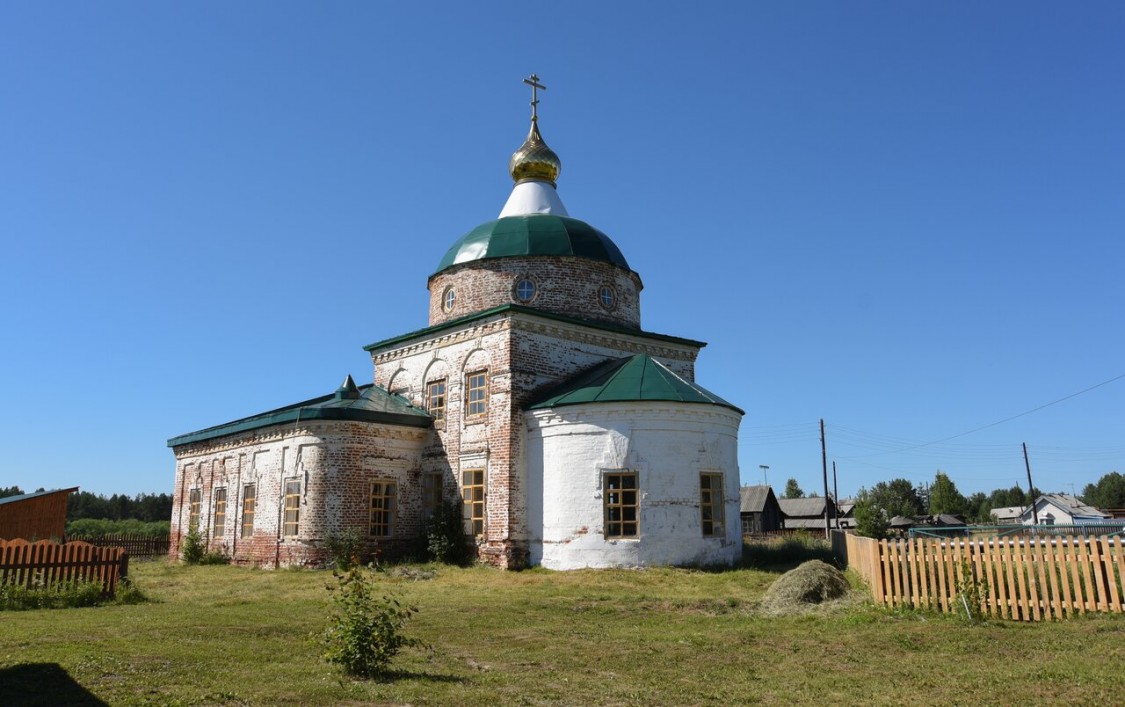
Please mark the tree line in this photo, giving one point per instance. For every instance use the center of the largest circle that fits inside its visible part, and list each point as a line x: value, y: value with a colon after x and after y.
x: 876, y: 506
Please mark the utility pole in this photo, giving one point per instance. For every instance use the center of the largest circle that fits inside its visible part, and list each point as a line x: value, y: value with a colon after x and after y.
x: 765, y: 479
x: 835, y: 497
x: 824, y: 466
x: 1030, y: 487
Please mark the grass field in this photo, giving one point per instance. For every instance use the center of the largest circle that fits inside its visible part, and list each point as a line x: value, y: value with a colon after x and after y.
x: 228, y: 635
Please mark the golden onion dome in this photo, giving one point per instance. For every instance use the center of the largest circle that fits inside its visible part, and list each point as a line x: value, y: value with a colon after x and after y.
x: 534, y: 160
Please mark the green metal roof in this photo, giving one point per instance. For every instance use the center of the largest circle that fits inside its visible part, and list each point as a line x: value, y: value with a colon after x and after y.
x: 636, y: 378
x: 533, y: 234
x: 521, y: 309
x: 350, y: 402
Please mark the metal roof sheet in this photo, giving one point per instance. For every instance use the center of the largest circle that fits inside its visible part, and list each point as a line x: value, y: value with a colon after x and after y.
x: 533, y: 234
x: 631, y: 379
x: 366, y: 403
x: 34, y: 494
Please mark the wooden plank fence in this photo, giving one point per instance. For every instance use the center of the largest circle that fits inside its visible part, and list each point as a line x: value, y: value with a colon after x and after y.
x: 47, y: 563
x: 136, y: 545
x: 1020, y: 578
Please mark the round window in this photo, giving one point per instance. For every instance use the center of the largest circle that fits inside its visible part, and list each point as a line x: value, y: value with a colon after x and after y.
x: 524, y: 290
x: 607, y: 298
x: 448, y: 299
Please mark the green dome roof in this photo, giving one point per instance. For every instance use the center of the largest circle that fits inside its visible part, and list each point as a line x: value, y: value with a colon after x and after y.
x: 533, y: 234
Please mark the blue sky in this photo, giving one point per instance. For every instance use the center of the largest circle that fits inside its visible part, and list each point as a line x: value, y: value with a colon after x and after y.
x: 904, y: 218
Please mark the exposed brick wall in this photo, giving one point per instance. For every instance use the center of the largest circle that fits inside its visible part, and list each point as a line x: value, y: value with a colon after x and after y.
x: 565, y: 285
x: 334, y: 462
x: 524, y: 355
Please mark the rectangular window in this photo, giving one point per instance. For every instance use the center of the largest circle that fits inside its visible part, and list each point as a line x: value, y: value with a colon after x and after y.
x: 195, y: 501
x: 620, y: 498
x: 435, y: 399
x: 292, y: 507
x: 220, y: 513
x: 477, y: 385
x: 711, y: 504
x: 249, y: 501
x: 431, y: 494
x: 382, y: 508
x: 472, y: 493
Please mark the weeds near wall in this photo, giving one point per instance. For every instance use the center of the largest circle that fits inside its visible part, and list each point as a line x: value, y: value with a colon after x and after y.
x: 343, y: 549
x: 194, y: 551
x: 365, y: 629
x: 445, y: 534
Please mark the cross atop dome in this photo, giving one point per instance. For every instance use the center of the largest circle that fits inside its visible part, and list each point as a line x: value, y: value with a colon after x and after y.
x: 534, y: 168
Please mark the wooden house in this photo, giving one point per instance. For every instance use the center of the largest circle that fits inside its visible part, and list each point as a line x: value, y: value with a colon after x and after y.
x: 34, y: 516
x: 759, y: 510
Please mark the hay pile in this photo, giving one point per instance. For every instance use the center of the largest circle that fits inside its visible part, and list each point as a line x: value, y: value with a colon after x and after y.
x: 813, y: 582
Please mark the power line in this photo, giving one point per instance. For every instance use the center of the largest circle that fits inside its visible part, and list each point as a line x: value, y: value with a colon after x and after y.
x: 1006, y: 419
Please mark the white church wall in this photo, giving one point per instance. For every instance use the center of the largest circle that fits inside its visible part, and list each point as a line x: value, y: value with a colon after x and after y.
x: 668, y: 446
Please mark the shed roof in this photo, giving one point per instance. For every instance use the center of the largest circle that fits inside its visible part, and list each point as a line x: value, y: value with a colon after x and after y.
x: 366, y: 403
x: 34, y: 494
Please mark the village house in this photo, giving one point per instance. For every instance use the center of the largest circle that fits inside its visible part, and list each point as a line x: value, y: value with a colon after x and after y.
x: 572, y: 436
x: 759, y: 510
x: 40, y: 515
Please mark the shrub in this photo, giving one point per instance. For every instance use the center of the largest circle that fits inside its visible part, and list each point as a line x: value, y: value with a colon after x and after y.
x: 365, y: 627
x: 971, y: 593
x: 194, y: 548
x: 100, y: 527
x: 61, y: 595
x: 445, y: 535
x: 344, y: 549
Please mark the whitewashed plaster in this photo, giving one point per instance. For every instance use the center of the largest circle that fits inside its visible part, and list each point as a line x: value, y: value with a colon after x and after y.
x: 668, y: 445
x: 533, y: 197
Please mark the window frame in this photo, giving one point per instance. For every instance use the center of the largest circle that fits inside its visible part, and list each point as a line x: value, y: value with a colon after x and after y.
x: 474, y: 501
x: 619, y: 514
x: 195, y: 506
x: 518, y: 290
x: 478, y: 407
x: 382, y: 502
x: 249, y: 509
x: 219, y: 514
x: 436, y: 402
x: 448, y: 299
x: 433, y: 493
x: 607, y: 292
x: 287, y: 495
x: 712, y: 516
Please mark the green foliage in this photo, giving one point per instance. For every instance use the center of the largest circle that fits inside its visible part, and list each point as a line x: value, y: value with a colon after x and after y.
x: 944, y: 496
x: 971, y: 593
x: 445, y: 534
x: 871, y: 520
x: 344, y: 549
x: 146, y: 507
x: 6, y: 491
x: 100, y: 527
x: 793, y: 490
x: 787, y: 552
x: 365, y: 628
x: 58, y: 595
x: 194, y: 547
x: 1108, y: 492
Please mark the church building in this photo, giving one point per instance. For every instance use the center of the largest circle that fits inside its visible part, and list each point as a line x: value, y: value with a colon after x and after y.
x: 573, y: 437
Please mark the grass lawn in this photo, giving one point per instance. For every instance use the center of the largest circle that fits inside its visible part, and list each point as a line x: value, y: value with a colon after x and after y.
x: 228, y: 635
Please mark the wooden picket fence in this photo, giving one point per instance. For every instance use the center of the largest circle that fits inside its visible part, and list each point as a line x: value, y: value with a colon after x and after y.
x: 1021, y: 578
x: 137, y: 546
x: 47, y: 563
